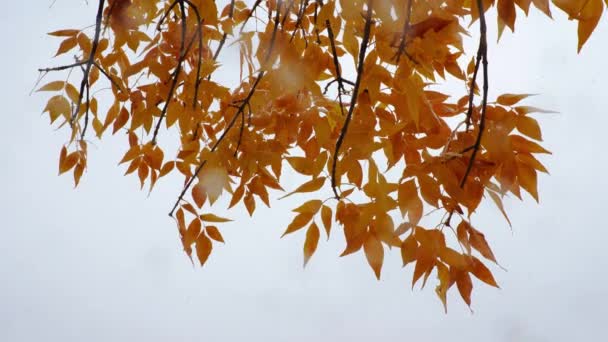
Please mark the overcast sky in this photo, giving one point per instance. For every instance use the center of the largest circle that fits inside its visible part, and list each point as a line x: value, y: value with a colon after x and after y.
x: 103, y: 262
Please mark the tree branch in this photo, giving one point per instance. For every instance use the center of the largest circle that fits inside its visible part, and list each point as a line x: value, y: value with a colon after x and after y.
x: 353, y: 103
x: 482, y: 55
x: 178, y: 69
x: 89, y: 62
x: 238, y: 113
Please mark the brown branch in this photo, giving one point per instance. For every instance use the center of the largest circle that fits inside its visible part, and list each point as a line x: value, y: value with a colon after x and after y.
x: 166, y: 14
x: 86, y: 116
x: 303, y: 5
x: 218, y: 142
x: 316, y: 16
x: 178, y: 69
x: 238, y: 113
x: 255, y: 5
x: 199, y: 34
x: 89, y: 62
x: 336, y: 65
x: 241, y: 133
x: 362, y: 52
x: 287, y: 12
x: 224, y: 37
x: 482, y: 55
x: 63, y: 67
x: 406, y: 29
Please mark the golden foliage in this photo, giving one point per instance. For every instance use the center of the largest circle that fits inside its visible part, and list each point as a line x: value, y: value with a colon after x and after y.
x: 297, y: 104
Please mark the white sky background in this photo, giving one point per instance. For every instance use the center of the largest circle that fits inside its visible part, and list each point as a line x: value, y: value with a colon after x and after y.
x: 104, y: 262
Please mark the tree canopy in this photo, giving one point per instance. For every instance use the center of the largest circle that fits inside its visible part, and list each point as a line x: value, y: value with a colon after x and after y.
x: 346, y: 94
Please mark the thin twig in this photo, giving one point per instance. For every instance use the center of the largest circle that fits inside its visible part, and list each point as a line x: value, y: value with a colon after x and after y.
x: 483, y: 56
x: 199, y: 33
x: 63, y: 67
x: 353, y: 102
x: 404, y: 34
x: 336, y: 65
x: 89, y: 61
x: 178, y: 69
x: 224, y: 37
x: 239, y: 112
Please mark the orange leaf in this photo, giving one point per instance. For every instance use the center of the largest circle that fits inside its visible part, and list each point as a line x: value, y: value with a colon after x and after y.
x: 511, y: 99
x: 478, y: 241
x: 464, y: 284
x: 326, y: 217
x: 311, y: 207
x: 309, y: 186
x: 481, y: 272
x: 506, y: 12
x: 312, y: 239
x: 443, y: 274
x: 203, y: 248
x: 53, y: 86
x: 530, y: 127
x: 588, y: 18
x: 298, y: 222
x: 213, y: 218
x: 214, y: 233
x: 199, y: 195
x: 374, y: 252
x: 408, y: 250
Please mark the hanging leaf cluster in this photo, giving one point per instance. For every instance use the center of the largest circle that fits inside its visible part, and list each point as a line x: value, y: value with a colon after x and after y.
x: 344, y: 93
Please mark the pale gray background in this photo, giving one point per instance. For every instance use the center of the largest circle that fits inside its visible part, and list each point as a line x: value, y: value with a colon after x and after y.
x: 104, y: 262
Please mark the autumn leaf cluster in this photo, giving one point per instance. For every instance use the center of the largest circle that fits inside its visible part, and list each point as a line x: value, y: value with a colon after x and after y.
x: 343, y: 93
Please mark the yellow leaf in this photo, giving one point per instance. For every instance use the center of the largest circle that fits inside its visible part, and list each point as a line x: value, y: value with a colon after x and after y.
x: 298, y: 222
x: 309, y: 186
x: 213, y: 218
x: 511, y: 99
x: 311, y: 207
x: 53, y: 86
x: 498, y: 201
x: 66, y: 45
x: 443, y: 274
x: 526, y: 176
x: 64, y: 33
x: 58, y: 106
x: 409, y: 202
x: 530, y: 127
x: 521, y: 144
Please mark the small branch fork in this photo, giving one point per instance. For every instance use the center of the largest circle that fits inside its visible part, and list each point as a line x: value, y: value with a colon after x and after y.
x: 224, y: 37
x: 240, y: 111
x: 86, y: 66
x: 338, y: 78
x: 406, y: 29
x: 301, y: 12
x: 355, y: 94
x: 482, y: 57
x: 183, y: 52
x: 89, y: 63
